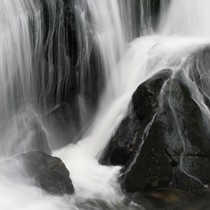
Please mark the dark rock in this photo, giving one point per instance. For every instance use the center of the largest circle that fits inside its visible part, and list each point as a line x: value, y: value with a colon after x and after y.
x: 146, y: 97
x: 190, y: 147
x: 164, y: 141
x: 122, y: 144
x: 49, y: 172
x: 152, y: 168
x: 176, y: 145
x: 129, y: 135
x: 183, y: 180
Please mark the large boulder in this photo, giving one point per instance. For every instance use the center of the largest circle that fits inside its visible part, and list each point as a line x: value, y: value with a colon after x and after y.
x: 168, y: 143
x: 176, y: 149
x: 49, y: 172
x: 125, y: 142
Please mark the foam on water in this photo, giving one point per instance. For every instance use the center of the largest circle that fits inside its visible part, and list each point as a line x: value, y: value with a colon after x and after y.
x: 126, y: 66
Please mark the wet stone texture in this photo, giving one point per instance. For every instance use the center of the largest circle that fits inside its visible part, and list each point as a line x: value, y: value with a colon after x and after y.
x: 49, y: 172
x: 164, y: 141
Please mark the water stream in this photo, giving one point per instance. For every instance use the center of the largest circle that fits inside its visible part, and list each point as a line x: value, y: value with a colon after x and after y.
x: 128, y: 55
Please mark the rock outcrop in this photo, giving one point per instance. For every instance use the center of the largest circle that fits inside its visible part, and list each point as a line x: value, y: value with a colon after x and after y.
x: 125, y: 142
x: 49, y: 172
x: 164, y: 141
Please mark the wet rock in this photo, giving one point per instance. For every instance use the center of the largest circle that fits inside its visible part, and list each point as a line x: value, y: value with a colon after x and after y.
x: 122, y: 144
x: 146, y: 98
x: 177, y: 145
x: 49, y: 172
x: 152, y: 168
x: 164, y: 141
x: 125, y: 142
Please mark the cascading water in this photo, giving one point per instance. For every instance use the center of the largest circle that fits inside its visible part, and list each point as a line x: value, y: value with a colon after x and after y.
x: 191, y: 19
x: 21, y: 36
x: 29, y: 83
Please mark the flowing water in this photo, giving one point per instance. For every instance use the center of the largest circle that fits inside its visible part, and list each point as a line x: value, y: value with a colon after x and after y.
x: 111, y: 25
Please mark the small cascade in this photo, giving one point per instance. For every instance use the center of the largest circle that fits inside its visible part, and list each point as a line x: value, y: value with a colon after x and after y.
x: 144, y: 57
x: 82, y: 61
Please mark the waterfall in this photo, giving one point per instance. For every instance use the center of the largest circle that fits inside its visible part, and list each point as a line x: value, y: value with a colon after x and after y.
x: 16, y: 64
x: 92, y: 68
x: 15, y: 56
x: 191, y: 19
x: 33, y: 47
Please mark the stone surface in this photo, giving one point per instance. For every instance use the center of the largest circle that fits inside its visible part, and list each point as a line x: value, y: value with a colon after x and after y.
x: 49, y: 172
x: 164, y: 141
x: 176, y: 149
x: 125, y: 142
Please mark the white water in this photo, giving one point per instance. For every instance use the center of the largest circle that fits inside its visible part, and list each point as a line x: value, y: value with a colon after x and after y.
x: 126, y: 66
x: 15, y: 55
x: 187, y: 18
x: 143, y: 57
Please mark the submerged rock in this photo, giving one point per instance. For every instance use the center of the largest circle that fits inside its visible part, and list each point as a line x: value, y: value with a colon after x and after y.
x: 49, y: 172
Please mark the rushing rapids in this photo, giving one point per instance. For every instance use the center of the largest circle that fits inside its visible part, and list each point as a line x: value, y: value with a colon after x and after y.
x: 68, y: 71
